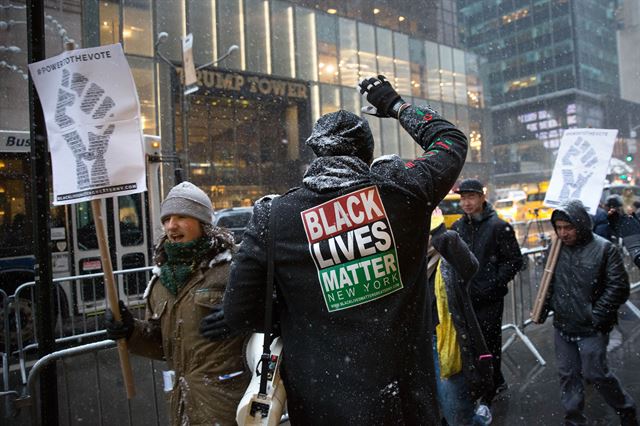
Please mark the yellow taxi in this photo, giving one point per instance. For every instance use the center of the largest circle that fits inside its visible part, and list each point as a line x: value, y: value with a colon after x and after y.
x: 451, y: 209
x: 534, y: 208
x: 511, y: 209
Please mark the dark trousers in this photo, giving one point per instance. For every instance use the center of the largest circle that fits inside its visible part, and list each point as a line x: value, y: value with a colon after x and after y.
x: 588, y: 358
x: 490, y: 318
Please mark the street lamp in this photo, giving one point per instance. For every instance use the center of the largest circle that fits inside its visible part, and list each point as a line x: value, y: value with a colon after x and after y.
x: 161, y: 38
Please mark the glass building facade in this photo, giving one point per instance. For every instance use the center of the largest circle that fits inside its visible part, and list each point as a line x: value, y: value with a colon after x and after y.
x: 549, y: 64
x: 241, y: 134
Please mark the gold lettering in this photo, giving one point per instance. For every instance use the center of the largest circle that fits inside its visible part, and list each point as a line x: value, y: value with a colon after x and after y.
x: 239, y: 82
x: 264, y: 86
x: 253, y: 81
x: 279, y: 87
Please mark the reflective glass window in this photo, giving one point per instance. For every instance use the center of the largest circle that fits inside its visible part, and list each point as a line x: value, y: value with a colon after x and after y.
x: 137, y: 33
x: 385, y: 54
x: 306, y: 52
x: 130, y: 220
x: 282, y: 35
x: 433, y: 70
x: 329, y: 98
x: 446, y: 73
x: 86, y: 229
x: 231, y: 31
x: 367, y: 43
x: 348, y: 52
x: 257, y: 41
x: 109, y: 22
x: 170, y: 19
x: 326, y: 33
x: 142, y: 71
x: 459, y: 77
x: 417, y: 68
x: 401, y: 58
x: 202, y: 24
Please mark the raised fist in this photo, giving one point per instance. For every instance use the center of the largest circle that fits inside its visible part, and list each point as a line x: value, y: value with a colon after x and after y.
x: 385, y: 100
x: 78, y: 97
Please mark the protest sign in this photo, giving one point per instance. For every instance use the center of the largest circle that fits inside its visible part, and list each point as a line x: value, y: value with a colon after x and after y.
x: 92, y: 115
x: 581, y: 167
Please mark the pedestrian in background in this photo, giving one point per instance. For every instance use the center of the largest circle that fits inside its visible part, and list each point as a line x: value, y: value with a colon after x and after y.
x: 462, y: 360
x: 625, y: 227
x: 588, y: 286
x: 493, y: 242
x: 183, y: 312
x: 350, y: 268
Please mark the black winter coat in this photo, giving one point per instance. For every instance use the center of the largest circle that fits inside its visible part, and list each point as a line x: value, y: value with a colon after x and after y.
x: 458, y: 267
x: 589, y: 283
x: 493, y: 242
x: 352, y: 292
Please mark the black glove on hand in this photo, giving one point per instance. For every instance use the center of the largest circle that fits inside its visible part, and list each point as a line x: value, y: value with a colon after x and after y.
x: 382, y: 96
x: 119, y: 329
x: 213, y: 326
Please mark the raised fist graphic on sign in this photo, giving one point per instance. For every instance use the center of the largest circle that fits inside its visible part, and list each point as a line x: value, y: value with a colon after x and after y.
x: 575, y: 168
x: 79, y: 98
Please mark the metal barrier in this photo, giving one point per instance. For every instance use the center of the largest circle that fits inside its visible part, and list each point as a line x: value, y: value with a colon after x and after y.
x: 71, y: 327
x: 522, y: 296
x: 105, y: 402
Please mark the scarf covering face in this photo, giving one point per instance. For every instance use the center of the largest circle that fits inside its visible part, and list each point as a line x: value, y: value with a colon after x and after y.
x: 181, y: 260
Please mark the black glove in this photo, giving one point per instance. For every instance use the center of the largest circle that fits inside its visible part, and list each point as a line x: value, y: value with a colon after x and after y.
x: 382, y: 96
x: 213, y: 326
x: 119, y: 329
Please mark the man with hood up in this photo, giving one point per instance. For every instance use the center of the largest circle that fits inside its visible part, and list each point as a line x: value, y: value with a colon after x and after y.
x: 588, y: 286
x: 351, y: 269
x: 192, y: 267
x: 493, y: 242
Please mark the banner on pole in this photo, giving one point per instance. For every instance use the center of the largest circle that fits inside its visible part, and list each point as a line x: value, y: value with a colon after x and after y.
x: 581, y: 167
x: 92, y: 115
x: 190, y: 80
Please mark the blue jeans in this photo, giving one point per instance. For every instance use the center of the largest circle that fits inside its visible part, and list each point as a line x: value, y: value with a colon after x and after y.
x: 454, y: 398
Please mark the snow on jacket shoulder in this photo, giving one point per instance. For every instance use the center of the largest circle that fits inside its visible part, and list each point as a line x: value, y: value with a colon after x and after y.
x: 350, y: 275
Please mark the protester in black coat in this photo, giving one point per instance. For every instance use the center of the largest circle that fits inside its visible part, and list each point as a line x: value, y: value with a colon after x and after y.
x: 350, y: 269
x: 588, y: 286
x: 493, y: 242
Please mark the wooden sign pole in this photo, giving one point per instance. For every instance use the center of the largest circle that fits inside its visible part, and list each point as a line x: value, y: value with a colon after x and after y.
x: 549, y: 268
x: 112, y: 294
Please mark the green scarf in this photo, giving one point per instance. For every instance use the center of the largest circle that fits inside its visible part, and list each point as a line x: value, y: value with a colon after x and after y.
x: 182, y: 260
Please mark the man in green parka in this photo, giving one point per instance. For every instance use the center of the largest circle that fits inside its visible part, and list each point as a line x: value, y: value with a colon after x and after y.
x: 192, y: 267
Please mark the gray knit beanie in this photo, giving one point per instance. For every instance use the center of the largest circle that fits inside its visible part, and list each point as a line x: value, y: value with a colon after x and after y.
x: 186, y: 199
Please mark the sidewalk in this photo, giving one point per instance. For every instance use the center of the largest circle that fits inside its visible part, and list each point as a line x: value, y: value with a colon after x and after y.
x: 533, y: 397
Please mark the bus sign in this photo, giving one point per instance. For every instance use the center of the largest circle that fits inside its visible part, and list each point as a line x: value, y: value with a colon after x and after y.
x: 14, y: 141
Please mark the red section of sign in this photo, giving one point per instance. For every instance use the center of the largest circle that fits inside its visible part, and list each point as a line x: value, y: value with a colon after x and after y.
x: 343, y: 214
x: 91, y: 265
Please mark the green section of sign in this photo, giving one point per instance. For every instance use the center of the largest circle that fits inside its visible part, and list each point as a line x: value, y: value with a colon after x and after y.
x: 360, y: 281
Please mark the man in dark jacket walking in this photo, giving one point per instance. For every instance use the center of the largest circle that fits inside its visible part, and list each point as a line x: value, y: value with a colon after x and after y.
x: 494, y: 244
x: 588, y: 286
x: 350, y: 269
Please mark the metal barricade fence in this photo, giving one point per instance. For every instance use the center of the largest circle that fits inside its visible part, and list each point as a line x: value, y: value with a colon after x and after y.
x: 90, y: 388
x: 77, y: 317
